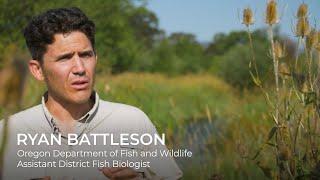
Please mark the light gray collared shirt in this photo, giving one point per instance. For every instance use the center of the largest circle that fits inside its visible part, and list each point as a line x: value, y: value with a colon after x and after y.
x: 81, y: 123
x: 104, y: 117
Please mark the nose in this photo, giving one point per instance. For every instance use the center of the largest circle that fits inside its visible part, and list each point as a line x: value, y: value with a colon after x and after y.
x: 79, y: 68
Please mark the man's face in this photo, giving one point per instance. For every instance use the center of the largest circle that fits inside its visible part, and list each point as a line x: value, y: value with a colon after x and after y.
x: 69, y: 67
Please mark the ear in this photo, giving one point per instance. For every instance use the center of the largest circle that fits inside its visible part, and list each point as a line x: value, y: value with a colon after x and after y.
x: 36, y: 69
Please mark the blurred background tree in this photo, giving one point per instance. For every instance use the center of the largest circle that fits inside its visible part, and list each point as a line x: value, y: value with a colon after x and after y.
x: 129, y: 39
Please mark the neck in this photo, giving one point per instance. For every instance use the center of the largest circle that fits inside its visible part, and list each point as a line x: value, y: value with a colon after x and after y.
x: 66, y: 111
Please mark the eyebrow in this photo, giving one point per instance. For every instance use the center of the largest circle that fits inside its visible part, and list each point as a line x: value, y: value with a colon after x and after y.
x: 88, y: 52
x: 69, y: 55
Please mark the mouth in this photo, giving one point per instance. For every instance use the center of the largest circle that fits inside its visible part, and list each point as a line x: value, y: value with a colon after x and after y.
x: 80, y: 84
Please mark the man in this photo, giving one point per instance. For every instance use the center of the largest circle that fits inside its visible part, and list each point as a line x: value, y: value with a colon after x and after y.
x: 61, y: 42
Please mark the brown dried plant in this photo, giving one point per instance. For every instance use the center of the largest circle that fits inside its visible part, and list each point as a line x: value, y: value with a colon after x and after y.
x: 302, y: 27
x: 272, y: 13
x: 302, y: 11
x: 247, y: 17
x: 294, y: 107
x: 279, y: 50
x: 312, y: 39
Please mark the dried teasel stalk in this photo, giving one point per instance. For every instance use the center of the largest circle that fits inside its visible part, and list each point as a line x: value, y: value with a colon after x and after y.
x: 247, y: 17
x: 272, y: 13
x: 271, y: 19
x: 248, y: 20
x: 303, y: 27
x: 302, y: 11
x: 318, y: 47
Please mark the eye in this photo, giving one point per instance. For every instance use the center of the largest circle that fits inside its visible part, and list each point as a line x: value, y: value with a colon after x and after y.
x: 63, y: 59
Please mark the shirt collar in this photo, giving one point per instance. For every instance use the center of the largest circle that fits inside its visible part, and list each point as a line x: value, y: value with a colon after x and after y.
x: 86, y: 118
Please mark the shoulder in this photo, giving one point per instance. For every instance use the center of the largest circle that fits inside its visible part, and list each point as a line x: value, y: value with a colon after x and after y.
x: 28, y: 115
x: 122, y: 109
x: 30, y: 112
x: 124, y: 115
x: 25, y: 117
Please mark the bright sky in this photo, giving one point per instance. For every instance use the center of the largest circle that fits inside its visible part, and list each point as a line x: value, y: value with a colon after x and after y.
x: 204, y: 18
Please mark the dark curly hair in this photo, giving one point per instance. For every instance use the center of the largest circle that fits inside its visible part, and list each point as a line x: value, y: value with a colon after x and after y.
x: 41, y: 29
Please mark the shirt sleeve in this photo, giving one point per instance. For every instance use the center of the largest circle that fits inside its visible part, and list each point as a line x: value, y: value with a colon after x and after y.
x: 161, y: 167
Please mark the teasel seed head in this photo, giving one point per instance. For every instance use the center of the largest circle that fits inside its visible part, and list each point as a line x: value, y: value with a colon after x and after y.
x: 284, y: 70
x: 271, y: 13
x: 303, y: 27
x: 317, y: 47
x: 302, y: 11
x: 279, y: 50
x: 247, y: 17
x: 312, y: 39
x: 284, y: 153
x: 305, y: 88
x: 301, y: 82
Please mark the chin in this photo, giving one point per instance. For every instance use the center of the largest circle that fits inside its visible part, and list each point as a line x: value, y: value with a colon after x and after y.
x: 81, y: 101
x: 81, y: 97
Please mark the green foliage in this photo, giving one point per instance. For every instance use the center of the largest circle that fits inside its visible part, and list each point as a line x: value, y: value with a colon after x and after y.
x: 180, y: 53
x: 187, y: 48
x: 123, y: 31
x: 128, y: 39
x: 145, y: 25
x: 165, y: 60
x: 10, y: 22
x: 233, y: 64
x: 222, y: 42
